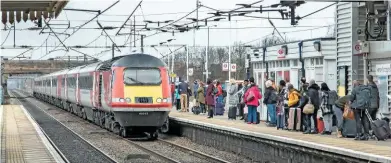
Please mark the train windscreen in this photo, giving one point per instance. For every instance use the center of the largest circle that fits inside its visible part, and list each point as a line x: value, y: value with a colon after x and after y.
x: 142, y: 76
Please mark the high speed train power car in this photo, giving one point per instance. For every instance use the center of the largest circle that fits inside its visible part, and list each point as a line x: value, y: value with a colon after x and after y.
x: 124, y: 95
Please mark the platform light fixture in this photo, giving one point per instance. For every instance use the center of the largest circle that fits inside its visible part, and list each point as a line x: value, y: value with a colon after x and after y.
x: 317, y: 46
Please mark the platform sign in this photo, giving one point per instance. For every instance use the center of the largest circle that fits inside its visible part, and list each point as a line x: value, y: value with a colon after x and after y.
x: 225, y: 67
x: 383, y: 69
x: 190, y: 71
x: 233, y: 67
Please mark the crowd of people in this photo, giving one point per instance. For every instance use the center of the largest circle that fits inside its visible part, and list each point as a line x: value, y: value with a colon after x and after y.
x: 311, y: 108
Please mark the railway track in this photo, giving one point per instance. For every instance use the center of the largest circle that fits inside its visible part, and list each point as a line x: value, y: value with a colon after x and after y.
x: 91, y: 153
x: 170, y: 155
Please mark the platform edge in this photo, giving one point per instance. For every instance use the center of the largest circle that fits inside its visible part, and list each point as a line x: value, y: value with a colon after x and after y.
x: 56, y: 154
x: 322, y: 147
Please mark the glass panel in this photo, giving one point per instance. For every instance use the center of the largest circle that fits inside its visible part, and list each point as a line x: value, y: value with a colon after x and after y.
x: 142, y: 76
x: 279, y: 76
x: 287, y: 76
x: 295, y: 62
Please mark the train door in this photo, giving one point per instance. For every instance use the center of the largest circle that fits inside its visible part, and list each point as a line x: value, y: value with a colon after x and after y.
x: 100, y: 89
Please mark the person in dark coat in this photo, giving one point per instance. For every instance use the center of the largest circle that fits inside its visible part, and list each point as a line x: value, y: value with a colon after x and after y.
x: 375, y: 100
x: 210, y: 99
x: 313, y: 94
x: 326, y: 108
x: 359, y: 113
x: 270, y: 100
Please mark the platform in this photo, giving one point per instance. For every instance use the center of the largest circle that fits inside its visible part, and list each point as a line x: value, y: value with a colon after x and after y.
x: 379, y: 151
x: 22, y: 141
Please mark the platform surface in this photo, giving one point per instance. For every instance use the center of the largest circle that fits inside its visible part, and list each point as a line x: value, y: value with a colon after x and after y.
x: 372, y: 150
x: 22, y: 141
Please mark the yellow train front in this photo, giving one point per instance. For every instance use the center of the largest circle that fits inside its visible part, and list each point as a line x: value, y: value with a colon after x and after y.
x: 141, y: 98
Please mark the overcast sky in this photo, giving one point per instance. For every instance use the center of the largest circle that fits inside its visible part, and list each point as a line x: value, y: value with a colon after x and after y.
x: 164, y: 10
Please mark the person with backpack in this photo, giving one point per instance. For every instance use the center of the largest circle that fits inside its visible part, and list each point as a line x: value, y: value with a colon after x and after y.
x: 251, y: 98
x: 360, y: 99
x: 270, y: 100
x: 313, y: 94
x: 210, y: 99
x: 326, y: 107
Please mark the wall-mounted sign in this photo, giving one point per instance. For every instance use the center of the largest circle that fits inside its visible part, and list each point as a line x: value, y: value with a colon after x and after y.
x: 360, y: 47
x: 383, y: 69
x: 282, y: 52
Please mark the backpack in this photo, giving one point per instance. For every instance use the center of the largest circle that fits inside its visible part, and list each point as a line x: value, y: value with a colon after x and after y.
x: 333, y: 96
x: 363, y: 97
x: 224, y: 93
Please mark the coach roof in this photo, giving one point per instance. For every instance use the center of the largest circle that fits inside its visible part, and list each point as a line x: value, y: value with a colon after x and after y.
x: 139, y: 60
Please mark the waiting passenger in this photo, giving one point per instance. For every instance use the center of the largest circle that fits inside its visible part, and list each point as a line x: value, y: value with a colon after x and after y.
x: 360, y: 99
x: 313, y: 94
x: 270, y: 100
x: 251, y: 98
x: 338, y: 110
x: 177, y: 97
x: 210, y: 99
x: 183, y: 91
x: 326, y: 108
x: 375, y: 100
x: 200, y: 97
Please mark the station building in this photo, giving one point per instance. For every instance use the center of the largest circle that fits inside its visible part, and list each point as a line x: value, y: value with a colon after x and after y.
x: 283, y: 62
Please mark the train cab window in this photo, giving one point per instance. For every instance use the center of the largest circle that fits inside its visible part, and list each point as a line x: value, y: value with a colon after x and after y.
x: 140, y: 76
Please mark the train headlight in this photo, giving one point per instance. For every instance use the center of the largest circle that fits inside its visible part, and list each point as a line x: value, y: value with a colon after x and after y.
x: 159, y: 100
x: 165, y: 100
x: 121, y: 100
x: 128, y: 100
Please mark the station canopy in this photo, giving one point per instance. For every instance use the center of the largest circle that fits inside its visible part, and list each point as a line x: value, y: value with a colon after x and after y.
x: 16, y: 10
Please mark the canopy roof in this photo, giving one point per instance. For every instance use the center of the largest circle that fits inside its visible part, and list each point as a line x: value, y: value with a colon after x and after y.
x: 12, y: 10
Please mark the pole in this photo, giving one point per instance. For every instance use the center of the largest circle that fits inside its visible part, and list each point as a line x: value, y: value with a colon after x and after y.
x: 229, y: 53
x: 142, y: 43
x: 112, y: 51
x: 365, y: 57
x: 187, y: 62
x: 14, y: 34
x: 172, y: 63
x: 134, y: 30
x: 207, y: 58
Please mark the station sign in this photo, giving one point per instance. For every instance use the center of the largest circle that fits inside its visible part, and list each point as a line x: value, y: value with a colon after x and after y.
x: 190, y: 71
x: 360, y: 47
x: 282, y: 52
x: 226, y: 65
x: 383, y: 69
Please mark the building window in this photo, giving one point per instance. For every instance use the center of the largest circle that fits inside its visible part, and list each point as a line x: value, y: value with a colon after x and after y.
x: 295, y: 62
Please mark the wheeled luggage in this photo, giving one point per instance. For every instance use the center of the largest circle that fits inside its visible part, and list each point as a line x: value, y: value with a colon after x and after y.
x: 196, y: 110
x: 232, y: 112
x: 294, y: 120
x: 380, y: 128
x: 349, y: 129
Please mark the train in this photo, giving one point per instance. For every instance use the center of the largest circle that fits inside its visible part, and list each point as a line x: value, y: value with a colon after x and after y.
x: 125, y: 95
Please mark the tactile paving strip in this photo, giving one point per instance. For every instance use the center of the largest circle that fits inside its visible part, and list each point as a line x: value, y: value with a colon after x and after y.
x: 20, y: 141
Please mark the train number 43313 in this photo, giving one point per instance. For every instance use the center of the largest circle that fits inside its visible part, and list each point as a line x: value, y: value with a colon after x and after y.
x: 143, y: 113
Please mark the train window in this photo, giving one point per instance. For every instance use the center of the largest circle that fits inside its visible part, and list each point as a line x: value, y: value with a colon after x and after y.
x: 142, y: 76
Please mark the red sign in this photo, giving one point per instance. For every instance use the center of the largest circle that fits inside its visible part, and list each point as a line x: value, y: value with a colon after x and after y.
x: 280, y: 51
x: 357, y: 47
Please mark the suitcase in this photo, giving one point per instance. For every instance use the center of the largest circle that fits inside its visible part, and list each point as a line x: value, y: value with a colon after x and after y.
x: 232, y: 112
x: 258, y: 118
x: 380, y: 128
x: 219, y: 109
x: 349, y: 129
x: 320, y: 125
x: 294, y: 120
x: 280, y: 121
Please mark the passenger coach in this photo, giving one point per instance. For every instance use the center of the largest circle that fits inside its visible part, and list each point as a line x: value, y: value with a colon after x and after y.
x: 125, y: 94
